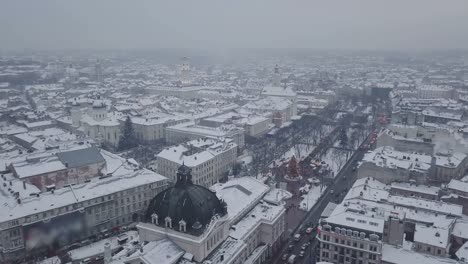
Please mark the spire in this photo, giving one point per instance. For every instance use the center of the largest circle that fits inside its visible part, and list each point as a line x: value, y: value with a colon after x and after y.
x: 276, y: 77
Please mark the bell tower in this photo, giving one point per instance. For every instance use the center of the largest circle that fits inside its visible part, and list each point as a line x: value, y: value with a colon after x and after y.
x: 276, y: 77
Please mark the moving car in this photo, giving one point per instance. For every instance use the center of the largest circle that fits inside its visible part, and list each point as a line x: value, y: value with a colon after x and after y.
x: 292, y: 259
x: 284, y: 257
x: 302, y: 253
x: 297, y: 237
x: 309, y: 230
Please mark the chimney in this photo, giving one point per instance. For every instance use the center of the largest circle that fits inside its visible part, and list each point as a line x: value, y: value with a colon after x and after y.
x: 24, y: 185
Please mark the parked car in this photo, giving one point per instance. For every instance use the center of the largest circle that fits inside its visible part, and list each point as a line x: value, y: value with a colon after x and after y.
x: 309, y: 230
x: 302, y: 253
x: 284, y: 257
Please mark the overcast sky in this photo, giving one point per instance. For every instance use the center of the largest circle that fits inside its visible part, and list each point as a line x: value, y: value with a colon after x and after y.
x: 344, y: 24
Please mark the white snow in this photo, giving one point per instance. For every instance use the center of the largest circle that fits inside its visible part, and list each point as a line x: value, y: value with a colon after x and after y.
x: 97, y: 248
x: 310, y: 198
x: 240, y: 195
x: 397, y: 255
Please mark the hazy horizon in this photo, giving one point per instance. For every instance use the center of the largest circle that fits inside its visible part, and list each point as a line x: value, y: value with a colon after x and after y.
x: 224, y: 25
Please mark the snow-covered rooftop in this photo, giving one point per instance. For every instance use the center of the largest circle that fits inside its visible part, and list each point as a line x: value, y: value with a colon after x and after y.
x: 388, y: 157
x: 163, y: 251
x: 124, y: 176
x: 399, y: 255
x: 278, y: 91
x: 459, y: 186
x: 263, y: 212
x: 204, y: 131
x: 426, y: 189
x: 462, y: 253
x: 240, y: 195
x: 434, y: 236
x: 197, y: 151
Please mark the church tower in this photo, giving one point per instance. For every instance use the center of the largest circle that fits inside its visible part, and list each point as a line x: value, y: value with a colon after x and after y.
x: 185, y: 72
x: 276, y: 77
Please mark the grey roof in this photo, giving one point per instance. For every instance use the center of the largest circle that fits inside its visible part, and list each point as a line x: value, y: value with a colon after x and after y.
x: 81, y: 157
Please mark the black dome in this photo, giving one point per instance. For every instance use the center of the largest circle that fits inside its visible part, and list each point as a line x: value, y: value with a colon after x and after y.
x: 194, y: 204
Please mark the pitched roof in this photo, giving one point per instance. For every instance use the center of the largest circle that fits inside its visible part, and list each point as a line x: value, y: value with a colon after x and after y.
x: 81, y: 157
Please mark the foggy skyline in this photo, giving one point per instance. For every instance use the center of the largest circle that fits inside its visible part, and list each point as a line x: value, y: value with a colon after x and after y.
x: 363, y: 24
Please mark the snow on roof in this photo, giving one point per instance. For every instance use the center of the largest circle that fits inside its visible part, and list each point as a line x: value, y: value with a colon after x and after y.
x: 415, y: 209
x: 449, y: 160
x: 97, y: 248
x: 434, y: 236
x: 269, y: 104
x: 196, y: 152
x: 433, y: 87
x: 276, y: 196
x: 155, y: 121
x: 397, y: 255
x: 26, y: 169
x: 278, y: 91
x: 39, y: 123
x: 435, y: 206
x: 124, y: 177
x: 26, y: 137
x: 386, y: 156
x: 162, y: 251
x: 240, y: 195
x: 369, y: 222
x: 109, y: 121
x: 368, y: 189
x: 457, y: 185
x: 462, y: 253
x: 427, y: 189
x: 263, y: 212
x: 443, y: 113
x: 204, y: 131
x: 460, y: 229
x: 238, y: 118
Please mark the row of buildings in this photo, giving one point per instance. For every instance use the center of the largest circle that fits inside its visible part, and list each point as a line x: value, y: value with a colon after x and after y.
x: 53, y: 199
x: 392, y: 224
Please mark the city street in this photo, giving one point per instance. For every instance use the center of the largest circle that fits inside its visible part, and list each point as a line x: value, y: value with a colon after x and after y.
x: 334, y: 193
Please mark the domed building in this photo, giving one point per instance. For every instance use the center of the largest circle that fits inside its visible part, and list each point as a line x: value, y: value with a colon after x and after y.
x: 248, y: 227
x: 97, y: 124
x: 189, y: 206
x: 191, y: 215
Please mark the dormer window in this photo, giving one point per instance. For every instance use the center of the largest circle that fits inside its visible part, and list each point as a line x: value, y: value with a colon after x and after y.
x: 168, y: 222
x: 182, y: 226
x: 154, y: 219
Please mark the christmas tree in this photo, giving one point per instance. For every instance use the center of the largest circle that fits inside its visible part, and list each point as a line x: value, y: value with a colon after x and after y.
x: 127, y: 138
x: 293, y: 170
